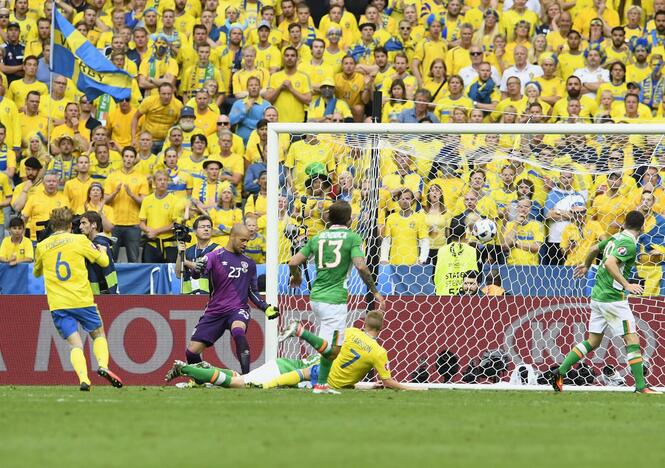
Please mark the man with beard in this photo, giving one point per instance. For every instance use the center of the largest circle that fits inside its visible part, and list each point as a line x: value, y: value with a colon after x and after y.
x: 574, y: 91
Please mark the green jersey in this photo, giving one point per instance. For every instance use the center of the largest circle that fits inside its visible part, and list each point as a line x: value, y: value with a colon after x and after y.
x: 333, y: 251
x: 287, y: 365
x: 623, y: 247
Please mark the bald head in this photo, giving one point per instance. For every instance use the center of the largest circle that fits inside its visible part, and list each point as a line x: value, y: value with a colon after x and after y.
x: 239, y: 236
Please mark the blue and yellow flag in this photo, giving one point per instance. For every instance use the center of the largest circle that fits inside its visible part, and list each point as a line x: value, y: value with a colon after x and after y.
x: 75, y: 57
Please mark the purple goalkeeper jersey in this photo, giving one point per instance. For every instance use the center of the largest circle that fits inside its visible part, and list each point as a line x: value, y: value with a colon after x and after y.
x: 232, y: 282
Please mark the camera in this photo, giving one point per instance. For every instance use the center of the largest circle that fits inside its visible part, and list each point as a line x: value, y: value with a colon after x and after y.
x: 297, y: 234
x: 182, y: 233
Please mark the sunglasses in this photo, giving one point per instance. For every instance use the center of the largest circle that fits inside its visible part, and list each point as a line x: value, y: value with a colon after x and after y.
x: 337, y: 120
x: 405, y: 28
x: 475, y: 53
x: 4, y: 16
x: 223, y: 123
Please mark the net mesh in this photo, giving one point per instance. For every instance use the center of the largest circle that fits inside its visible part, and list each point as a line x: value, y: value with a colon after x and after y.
x: 529, y: 205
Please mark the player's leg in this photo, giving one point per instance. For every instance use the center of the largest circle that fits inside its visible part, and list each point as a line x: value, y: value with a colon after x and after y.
x: 292, y: 378
x: 67, y: 326
x: 238, y: 332
x: 100, y: 348
x: 193, y: 351
x: 597, y: 325
x: 206, y: 374
x: 207, y: 331
x: 333, y: 324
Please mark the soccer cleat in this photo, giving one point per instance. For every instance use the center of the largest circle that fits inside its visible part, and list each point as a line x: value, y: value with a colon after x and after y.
x: 290, y: 330
x: 192, y: 384
x: 556, y: 380
x: 175, y: 370
x: 319, y: 389
x: 649, y: 390
x: 110, y: 376
x: 253, y: 385
x: 85, y: 387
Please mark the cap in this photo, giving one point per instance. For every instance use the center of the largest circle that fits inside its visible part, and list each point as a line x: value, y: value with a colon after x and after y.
x: 14, y: 24
x: 264, y: 24
x: 327, y: 82
x: 33, y: 163
x: 633, y: 85
x: 65, y: 137
x: 208, y: 162
x: 371, y: 25
x: 187, y: 111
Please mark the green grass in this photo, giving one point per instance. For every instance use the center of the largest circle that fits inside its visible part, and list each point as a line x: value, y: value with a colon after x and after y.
x: 151, y: 426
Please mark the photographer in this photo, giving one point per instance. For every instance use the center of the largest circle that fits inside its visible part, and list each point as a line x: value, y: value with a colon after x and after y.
x: 187, y: 256
x: 102, y: 280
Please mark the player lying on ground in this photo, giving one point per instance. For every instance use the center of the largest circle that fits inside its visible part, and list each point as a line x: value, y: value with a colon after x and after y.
x: 360, y: 353
x: 61, y: 259
x: 203, y: 372
x: 333, y: 251
x: 233, y: 281
x: 609, y: 305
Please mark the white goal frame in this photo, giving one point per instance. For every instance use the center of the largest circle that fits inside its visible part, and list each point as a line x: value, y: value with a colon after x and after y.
x: 272, y: 234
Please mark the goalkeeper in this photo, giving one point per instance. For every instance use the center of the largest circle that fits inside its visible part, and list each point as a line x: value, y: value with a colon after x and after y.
x: 233, y: 282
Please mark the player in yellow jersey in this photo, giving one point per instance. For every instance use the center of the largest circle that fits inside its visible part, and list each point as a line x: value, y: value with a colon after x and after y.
x: 360, y: 353
x: 60, y: 258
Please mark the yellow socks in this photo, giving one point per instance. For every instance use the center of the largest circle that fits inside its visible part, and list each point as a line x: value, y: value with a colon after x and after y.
x: 100, y: 348
x: 290, y: 379
x: 78, y: 362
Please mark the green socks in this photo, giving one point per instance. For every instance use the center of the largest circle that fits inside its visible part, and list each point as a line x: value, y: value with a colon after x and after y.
x: 324, y: 370
x: 574, y: 356
x: 321, y: 345
x: 636, y: 365
x: 213, y: 375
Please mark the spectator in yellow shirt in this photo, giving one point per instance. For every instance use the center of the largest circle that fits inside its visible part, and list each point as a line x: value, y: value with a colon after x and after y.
x: 353, y: 87
x: 38, y: 208
x: 156, y: 222
x: 405, y: 235
x: 18, y: 90
x: 289, y: 90
x: 161, y: 112
x: 159, y: 68
x: 16, y: 248
x: 523, y: 237
x: 120, y: 123
x: 579, y: 236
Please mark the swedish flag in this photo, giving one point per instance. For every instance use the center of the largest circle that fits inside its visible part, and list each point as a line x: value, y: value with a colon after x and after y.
x: 75, y: 57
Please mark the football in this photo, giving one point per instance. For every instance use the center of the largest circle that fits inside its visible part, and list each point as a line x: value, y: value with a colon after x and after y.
x: 484, y: 230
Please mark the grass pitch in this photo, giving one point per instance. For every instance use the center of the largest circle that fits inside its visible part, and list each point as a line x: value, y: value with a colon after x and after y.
x: 152, y: 426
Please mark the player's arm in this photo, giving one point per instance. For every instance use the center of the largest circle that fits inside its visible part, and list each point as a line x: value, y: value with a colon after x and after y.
x: 95, y: 254
x: 581, y: 270
x: 366, y: 276
x: 395, y: 385
x: 294, y: 267
x: 612, y: 266
x: 38, y: 267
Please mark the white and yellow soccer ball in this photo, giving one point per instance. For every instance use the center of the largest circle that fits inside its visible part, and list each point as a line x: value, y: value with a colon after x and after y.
x: 484, y: 230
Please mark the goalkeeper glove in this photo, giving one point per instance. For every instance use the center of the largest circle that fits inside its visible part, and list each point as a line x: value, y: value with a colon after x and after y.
x: 201, y: 263
x: 272, y: 312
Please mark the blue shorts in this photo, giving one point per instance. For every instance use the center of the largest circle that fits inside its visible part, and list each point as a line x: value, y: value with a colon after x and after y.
x: 67, y: 320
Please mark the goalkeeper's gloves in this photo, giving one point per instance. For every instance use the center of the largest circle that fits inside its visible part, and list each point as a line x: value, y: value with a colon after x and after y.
x: 272, y: 312
x: 200, y: 264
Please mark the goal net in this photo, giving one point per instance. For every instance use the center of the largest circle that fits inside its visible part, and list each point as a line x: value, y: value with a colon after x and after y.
x: 528, y: 200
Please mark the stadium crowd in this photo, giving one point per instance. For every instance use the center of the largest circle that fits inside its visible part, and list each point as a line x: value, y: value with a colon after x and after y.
x: 210, y: 75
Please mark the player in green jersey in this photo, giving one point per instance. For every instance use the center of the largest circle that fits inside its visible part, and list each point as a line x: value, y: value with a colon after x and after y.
x: 609, y: 306
x: 205, y: 373
x: 334, y: 252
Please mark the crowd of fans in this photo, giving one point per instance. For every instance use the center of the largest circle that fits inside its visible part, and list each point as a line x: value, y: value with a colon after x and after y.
x: 210, y: 75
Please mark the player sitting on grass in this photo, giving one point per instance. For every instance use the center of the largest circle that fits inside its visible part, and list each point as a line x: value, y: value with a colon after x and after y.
x: 334, y: 251
x: 609, y: 306
x: 61, y: 259
x: 359, y: 354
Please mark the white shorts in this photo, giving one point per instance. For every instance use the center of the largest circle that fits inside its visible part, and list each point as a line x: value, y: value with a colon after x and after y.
x: 263, y: 374
x: 332, y: 321
x: 616, y: 316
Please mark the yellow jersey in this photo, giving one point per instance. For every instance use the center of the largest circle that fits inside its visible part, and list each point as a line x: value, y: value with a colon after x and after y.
x: 223, y: 220
x: 6, y: 192
x: 608, y: 209
x: 18, y: 91
x: 289, y: 107
x: 121, y: 126
x: 359, y: 354
x: 20, y: 251
x: 256, y: 248
x: 76, y: 192
x: 405, y: 233
x: 159, y: 212
x: 350, y: 89
x: 61, y: 259
x: 38, y: 209
x: 157, y: 118
x: 532, y: 231
x: 581, y: 240
x: 126, y: 210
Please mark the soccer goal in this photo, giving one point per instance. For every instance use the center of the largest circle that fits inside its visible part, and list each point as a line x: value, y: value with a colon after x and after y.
x: 532, y: 199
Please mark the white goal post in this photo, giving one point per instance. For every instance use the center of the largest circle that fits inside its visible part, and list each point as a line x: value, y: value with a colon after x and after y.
x: 383, y: 136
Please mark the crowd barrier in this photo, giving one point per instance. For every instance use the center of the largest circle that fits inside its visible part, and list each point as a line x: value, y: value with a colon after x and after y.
x: 139, y: 278
x: 146, y: 333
